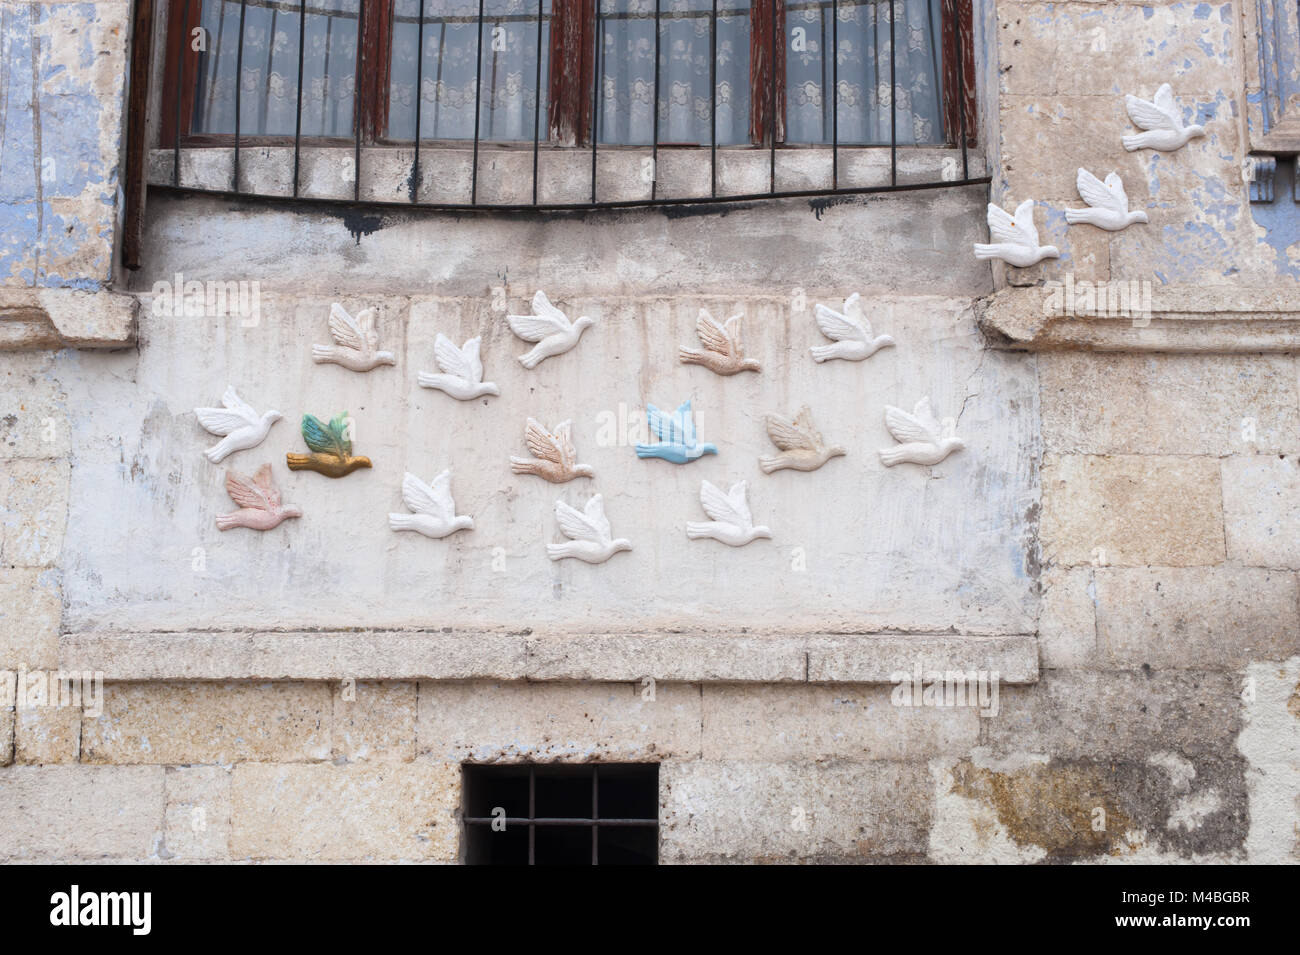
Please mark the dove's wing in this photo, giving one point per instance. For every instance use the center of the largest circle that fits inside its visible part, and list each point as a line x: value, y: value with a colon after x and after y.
x: 542, y: 443
x: 918, y: 426
x: 324, y: 439
x: 238, y: 405
x: 840, y: 327
x: 435, y: 501
x: 788, y: 436
x: 685, y: 421
x: 545, y: 320
x: 595, y: 514
x: 1164, y: 101
x: 246, y: 492
x: 1016, y: 230
x: 1097, y: 193
x: 727, y: 508
x: 1116, y: 186
x: 457, y: 362
x: 345, y: 330
x: 576, y: 525
x: 221, y: 420
x: 713, y: 335
x: 263, y: 480
x: 1151, y: 115
x: 662, y: 426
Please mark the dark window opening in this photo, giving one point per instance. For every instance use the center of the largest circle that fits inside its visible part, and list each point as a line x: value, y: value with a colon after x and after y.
x: 562, y: 814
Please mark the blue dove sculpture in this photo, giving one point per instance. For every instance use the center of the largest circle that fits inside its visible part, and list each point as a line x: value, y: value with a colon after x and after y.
x: 676, y: 433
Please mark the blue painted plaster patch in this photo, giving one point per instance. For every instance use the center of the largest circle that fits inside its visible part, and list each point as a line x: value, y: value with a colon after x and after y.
x: 1280, y: 219
x: 1147, y: 13
x: 1202, y: 11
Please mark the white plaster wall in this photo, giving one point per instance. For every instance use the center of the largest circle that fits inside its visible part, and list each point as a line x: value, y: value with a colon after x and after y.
x: 904, y: 548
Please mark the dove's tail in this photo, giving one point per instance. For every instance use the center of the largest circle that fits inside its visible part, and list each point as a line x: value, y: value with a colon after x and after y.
x: 531, y: 360
x: 1075, y: 216
x: 986, y: 251
x: 322, y: 353
x: 522, y: 465
x: 401, y: 522
x: 429, y: 380
x: 891, y: 456
x: 822, y: 353
x: 647, y: 451
x: 216, y: 452
x: 558, y: 551
x: 696, y: 530
x: 226, y: 521
x: 689, y: 356
x: 770, y: 464
x: 1132, y: 143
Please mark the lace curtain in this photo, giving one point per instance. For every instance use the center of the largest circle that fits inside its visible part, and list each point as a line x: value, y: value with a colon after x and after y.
x: 511, y: 100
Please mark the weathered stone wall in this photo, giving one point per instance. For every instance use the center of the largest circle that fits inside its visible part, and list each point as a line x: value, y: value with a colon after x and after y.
x: 1146, y: 538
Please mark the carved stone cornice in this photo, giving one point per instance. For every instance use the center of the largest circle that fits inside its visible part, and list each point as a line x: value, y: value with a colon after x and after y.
x: 52, y: 318
x: 1167, y: 318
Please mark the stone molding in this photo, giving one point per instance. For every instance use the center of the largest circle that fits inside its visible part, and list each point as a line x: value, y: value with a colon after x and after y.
x: 498, y: 655
x: 1198, y: 319
x: 52, y: 318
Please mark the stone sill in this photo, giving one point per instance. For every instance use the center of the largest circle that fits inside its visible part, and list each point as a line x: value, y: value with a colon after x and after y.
x: 462, y: 655
x: 564, y: 175
x: 32, y: 318
x: 1197, y: 319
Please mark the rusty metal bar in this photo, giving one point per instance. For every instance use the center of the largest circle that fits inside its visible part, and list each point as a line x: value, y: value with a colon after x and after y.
x: 478, y: 107
x: 297, y: 128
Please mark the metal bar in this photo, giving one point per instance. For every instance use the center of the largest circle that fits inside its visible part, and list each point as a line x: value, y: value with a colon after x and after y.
x: 532, y: 802
x: 565, y: 821
x: 356, y: 102
x: 893, y: 105
x: 180, y: 92
x: 620, y: 204
x: 142, y: 21
x: 419, y: 104
x: 771, y: 69
x: 270, y: 61
x: 961, y: 86
x: 713, y: 101
x: 654, y: 145
x: 595, y: 99
x: 473, y: 189
x: 297, y: 127
x: 835, y: 94
x: 595, y: 814
x: 537, y: 100
x: 239, y: 82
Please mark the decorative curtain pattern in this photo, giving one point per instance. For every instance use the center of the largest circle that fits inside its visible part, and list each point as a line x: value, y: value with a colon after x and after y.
x: 863, y: 71
x: 627, y: 72
x: 268, y: 96
x: 450, y: 69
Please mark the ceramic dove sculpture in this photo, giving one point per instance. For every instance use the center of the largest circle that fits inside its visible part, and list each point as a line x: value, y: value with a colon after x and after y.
x: 800, y: 443
x: 355, y: 342
x: 849, y: 330
x: 588, y: 532
x: 553, y: 455
x: 732, y: 523
x: 676, y: 433
x: 1107, y: 203
x: 462, y: 370
x: 1015, y: 239
x: 1162, y: 121
x: 724, y: 346
x: 549, y: 328
x: 433, y: 510
x: 922, y: 440
x: 242, y: 427
x: 259, y: 502
x: 331, y: 447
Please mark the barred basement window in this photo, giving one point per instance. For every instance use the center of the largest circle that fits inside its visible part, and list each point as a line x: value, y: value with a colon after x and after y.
x: 530, y: 814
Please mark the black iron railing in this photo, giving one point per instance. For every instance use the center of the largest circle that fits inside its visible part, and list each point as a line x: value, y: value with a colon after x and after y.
x: 239, y: 141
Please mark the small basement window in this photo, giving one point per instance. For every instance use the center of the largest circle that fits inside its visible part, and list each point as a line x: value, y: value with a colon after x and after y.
x: 529, y: 814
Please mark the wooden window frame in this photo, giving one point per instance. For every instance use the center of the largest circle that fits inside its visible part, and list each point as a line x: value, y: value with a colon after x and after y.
x: 569, y: 113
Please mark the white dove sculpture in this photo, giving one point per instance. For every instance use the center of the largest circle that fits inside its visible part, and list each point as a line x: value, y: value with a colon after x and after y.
x: 588, y: 532
x: 462, y: 370
x: 849, y: 330
x: 922, y: 440
x: 434, y: 510
x: 732, y: 523
x: 242, y: 426
x: 1015, y: 240
x: 549, y: 328
x: 1107, y: 203
x: 1161, y: 120
x: 356, y: 342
